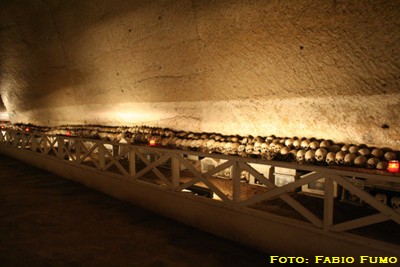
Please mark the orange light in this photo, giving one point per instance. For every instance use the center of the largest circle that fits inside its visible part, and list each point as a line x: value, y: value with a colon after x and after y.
x: 393, y: 166
x: 152, y: 142
x: 68, y: 133
x: 27, y: 129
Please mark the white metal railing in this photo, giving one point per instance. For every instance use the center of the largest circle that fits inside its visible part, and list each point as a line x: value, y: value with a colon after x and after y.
x: 138, y: 163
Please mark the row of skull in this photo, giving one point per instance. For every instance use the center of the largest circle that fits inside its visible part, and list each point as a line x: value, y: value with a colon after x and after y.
x: 310, y: 151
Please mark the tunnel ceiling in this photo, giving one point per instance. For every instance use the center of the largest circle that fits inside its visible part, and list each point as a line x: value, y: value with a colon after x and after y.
x: 324, y: 69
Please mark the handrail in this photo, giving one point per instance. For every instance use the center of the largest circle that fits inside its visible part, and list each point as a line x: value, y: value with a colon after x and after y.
x: 104, y: 155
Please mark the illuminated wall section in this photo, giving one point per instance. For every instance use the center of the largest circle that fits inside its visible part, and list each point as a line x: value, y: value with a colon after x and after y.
x: 325, y: 69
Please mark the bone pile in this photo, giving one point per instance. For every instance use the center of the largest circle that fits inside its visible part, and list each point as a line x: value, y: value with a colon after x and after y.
x: 300, y: 150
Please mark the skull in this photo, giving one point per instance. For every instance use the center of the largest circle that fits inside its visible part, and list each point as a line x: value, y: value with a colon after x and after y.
x: 390, y: 156
x: 257, y: 147
x: 349, y: 159
x: 277, y: 148
x: 381, y: 198
x: 264, y: 147
x: 289, y: 142
x: 249, y: 148
x: 314, y: 145
x: 193, y: 143
x: 320, y: 154
x: 372, y: 162
x: 241, y: 148
x: 364, y: 152
x: 300, y: 156
x: 296, y: 143
x: 199, y: 143
x: 383, y: 165
x: 293, y: 153
x: 284, y: 151
x: 378, y: 153
x: 221, y: 147
x: 360, y: 161
x: 345, y: 148
x: 228, y: 148
x: 305, y: 144
x: 235, y: 147
x: 165, y: 141
x: 330, y: 158
x: 353, y: 149
x: 210, y: 144
x: 325, y: 143
x: 395, y: 202
x: 334, y: 148
x: 339, y: 159
x: 178, y: 142
x: 310, y: 156
x: 215, y: 147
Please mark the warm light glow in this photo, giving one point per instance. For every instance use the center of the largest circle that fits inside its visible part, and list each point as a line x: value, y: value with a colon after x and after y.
x: 68, y: 133
x: 152, y: 142
x: 393, y: 166
x: 27, y: 129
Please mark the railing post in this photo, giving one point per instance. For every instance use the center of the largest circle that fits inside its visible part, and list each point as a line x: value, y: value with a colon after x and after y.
x: 328, y: 203
x: 102, y: 156
x: 77, y: 150
x: 60, y: 145
x: 236, y: 181
x: 175, y: 173
x: 132, y: 162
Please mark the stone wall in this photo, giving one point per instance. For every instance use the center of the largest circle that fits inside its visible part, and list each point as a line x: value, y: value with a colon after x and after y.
x: 325, y: 69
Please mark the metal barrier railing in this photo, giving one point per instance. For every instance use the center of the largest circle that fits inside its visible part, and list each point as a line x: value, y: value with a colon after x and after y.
x: 171, y: 169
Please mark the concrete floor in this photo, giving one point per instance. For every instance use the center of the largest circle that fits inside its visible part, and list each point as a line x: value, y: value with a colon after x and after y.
x: 46, y: 220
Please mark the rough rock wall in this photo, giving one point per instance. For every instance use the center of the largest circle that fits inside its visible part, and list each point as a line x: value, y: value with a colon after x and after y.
x: 326, y: 69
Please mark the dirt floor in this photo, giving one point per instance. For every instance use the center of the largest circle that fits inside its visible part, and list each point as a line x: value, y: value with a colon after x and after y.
x: 46, y: 220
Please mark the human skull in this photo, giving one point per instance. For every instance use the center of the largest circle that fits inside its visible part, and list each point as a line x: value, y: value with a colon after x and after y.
x: 264, y: 147
x: 334, y: 148
x: 320, y: 154
x: 210, y: 144
x: 215, y: 147
x: 339, y: 159
x: 310, y: 156
x: 249, y: 148
x: 178, y: 142
x: 381, y: 198
x: 360, y: 161
x: 293, y: 153
x: 378, y: 153
x: 330, y: 158
x: 284, y: 151
x: 345, y: 148
x: 241, y: 148
x: 300, y: 156
x: 372, y: 162
x: 296, y: 143
x: 289, y: 142
x: 199, y: 143
x: 314, y: 145
x: 364, y: 152
x: 353, y: 149
x: 278, y: 148
x: 383, y: 165
x: 305, y: 144
x: 349, y: 159
x: 235, y: 147
x: 221, y: 147
x: 257, y: 147
x: 228, y: 148
x: 390, y: 156
x: 325, y: 144
x: 395, y: 202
